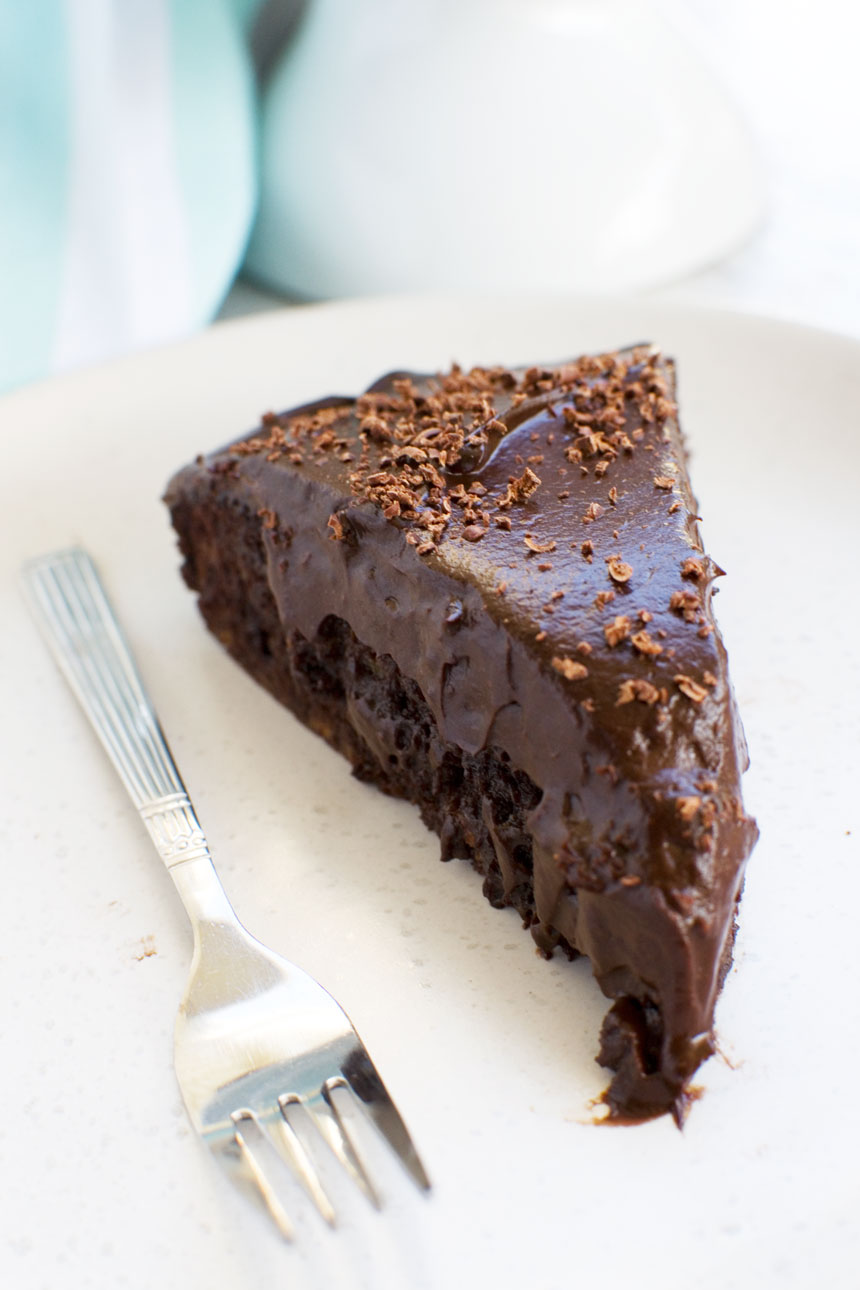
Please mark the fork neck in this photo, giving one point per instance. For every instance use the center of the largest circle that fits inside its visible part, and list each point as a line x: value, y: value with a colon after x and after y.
x: 201, y: 892
x: 175, y: 830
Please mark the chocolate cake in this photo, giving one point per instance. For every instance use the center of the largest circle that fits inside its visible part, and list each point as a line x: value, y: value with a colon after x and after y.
x: 487, y: 589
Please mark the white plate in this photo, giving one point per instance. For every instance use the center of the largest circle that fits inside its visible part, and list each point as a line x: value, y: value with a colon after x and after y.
x: 487, y: 1049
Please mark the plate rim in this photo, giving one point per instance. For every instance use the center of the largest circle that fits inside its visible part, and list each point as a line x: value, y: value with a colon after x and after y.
x: 281, y: 314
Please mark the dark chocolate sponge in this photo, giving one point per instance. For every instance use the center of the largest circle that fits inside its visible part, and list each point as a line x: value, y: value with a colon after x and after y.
x: 487, y: 589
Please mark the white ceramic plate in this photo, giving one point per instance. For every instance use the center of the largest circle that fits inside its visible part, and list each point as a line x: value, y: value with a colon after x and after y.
x: 487, y: 1049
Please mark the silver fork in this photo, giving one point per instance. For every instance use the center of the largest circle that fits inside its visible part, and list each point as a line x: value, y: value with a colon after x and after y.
x: 263, y: 1053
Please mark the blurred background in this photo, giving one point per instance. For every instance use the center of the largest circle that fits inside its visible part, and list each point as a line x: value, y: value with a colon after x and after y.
x: 168, y: 164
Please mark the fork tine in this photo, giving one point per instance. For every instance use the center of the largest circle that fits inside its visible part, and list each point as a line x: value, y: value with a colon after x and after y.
x: 267, y: 1191
x: 383, y: 1113
x: 325, y: 1122
x: 291, y: 1148
x: 363, y: 1080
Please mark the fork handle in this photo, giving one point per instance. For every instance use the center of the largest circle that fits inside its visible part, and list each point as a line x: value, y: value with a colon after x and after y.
x: 71, y: 606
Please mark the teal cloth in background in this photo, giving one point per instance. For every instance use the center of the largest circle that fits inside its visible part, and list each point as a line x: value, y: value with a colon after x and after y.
x: 34, y: 163
x: 216, y: 163
x: 127, y: 173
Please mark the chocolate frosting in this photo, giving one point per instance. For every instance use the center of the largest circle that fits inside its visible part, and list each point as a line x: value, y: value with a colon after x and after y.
x: 525, y: 546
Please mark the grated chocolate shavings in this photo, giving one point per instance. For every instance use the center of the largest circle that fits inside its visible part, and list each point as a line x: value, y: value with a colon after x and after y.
x: 414, y: 437
x: 641, y: 691
x: 693, y: 568
x: 664, y: 481
x: 686, y: 603
x: 617, y: 631
x: 693, y: 691
x: 521, y: 489
x: 688, y: 807
x: 619, y: 570
x: 569, y: 668
x: 539, y: 548
x: 338, y: 531
x: 646, y: 644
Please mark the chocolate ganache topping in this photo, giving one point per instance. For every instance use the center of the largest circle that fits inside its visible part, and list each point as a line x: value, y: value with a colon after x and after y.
x: 523, y: 545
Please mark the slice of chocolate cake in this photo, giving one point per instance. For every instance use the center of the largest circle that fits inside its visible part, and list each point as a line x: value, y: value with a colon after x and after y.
x: 487, y: 589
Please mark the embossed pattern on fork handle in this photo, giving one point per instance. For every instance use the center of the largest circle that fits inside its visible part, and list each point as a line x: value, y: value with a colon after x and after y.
x: 88, y: 644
